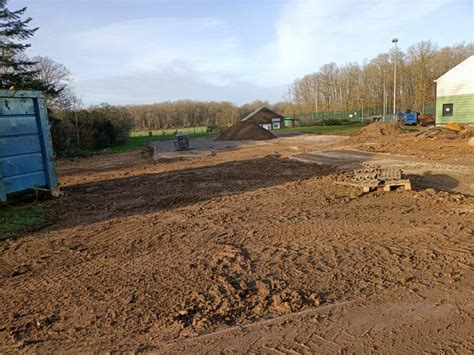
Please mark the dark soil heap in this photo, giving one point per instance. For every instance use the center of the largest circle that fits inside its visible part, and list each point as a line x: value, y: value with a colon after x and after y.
x: 378, y: 129
x: 244, y: 131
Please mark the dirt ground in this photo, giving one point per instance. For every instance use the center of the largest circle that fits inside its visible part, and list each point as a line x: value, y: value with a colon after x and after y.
x: 244, y: 250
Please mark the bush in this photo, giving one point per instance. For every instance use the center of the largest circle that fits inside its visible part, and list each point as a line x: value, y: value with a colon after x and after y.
x: 82, y: 132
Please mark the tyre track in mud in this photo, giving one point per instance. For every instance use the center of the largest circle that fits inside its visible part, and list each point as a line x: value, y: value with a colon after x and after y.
x: 286, y: 240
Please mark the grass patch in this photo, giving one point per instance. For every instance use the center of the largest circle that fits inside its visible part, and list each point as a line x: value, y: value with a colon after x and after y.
x: 329, y: 130
x: 15, y: 220
x: 410, y: 128
x: 138, y: 141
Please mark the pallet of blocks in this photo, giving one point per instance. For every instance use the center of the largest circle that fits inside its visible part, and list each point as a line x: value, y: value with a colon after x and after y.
x: 372, y: 178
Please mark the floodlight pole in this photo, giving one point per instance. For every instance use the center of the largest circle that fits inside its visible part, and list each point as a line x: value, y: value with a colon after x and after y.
x: 395, y: 41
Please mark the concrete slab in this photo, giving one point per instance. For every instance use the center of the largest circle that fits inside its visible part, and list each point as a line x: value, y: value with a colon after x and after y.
x: 423, y: 173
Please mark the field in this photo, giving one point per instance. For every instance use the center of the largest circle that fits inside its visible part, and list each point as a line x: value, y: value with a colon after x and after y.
x: 252, y: 248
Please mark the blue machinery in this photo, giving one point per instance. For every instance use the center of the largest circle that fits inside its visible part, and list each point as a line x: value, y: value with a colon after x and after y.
x: 26, y: 151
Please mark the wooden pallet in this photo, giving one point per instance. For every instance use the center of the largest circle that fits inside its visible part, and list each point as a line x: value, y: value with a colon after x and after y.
x: 368, y: 188
x: 388, y: 185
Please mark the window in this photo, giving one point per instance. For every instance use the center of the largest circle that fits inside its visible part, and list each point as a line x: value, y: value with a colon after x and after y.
x: 447, y: 110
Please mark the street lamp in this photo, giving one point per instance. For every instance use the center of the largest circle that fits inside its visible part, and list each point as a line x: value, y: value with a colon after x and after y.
x: 395, y: 41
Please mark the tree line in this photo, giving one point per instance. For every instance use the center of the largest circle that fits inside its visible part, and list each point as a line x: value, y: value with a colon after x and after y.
x: 368, y: 87
x: 365, y: 88
x: 189, y: 113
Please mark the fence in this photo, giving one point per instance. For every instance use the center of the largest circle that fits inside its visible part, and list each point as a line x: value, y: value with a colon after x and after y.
x: 323, y: 116
x: 170, y: 131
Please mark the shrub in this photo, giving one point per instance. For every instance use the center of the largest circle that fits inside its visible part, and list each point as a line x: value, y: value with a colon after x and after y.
x: 81, y: 132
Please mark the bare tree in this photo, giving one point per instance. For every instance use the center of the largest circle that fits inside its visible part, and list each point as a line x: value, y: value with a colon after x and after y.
x: 364, y: 88
x: 57, y: 80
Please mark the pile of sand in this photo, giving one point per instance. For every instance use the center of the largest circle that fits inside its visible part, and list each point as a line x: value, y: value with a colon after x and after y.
x: 244, y: 131
x: 438, y: 132
x: 378, y: 129
x: 455, y: 127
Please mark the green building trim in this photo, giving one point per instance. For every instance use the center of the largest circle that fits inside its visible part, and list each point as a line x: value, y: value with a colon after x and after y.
x: 463, y: 109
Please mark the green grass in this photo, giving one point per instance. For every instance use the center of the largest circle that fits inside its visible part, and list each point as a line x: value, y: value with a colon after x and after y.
x: 330, y: 130
x: 20, y: 219
x: 137, y: 141
x: 410, y: 128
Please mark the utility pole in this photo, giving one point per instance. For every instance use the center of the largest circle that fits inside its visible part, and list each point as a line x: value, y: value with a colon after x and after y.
x: 395, y: 40
x: 384, y: 100
x: 316, y: 96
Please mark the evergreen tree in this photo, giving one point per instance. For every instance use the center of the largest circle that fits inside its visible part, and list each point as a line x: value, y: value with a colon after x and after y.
x: 15, y: 69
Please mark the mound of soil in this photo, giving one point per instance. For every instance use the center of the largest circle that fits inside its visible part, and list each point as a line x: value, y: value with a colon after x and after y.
x: 466, y: 133
x: 379, y: 129
x: 455, y: 127
x: 244, y: 131
x: 426, y: 119
x: 438, y: 132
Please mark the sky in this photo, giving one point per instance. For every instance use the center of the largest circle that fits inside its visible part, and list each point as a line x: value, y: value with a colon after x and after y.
x: 147, y: 51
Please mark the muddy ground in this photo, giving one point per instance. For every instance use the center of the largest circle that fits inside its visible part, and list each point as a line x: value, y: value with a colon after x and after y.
x: 244, y: 250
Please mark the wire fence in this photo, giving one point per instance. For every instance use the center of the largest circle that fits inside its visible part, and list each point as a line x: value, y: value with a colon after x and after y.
x: 327, y: 116
x: 315, y: 117
x: 170, y: 131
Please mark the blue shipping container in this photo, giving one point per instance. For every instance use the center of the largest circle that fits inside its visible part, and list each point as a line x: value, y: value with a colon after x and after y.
x: 26, y: 151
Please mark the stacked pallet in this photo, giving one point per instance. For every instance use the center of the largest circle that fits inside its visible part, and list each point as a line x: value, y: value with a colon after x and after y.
x: 374, y: 177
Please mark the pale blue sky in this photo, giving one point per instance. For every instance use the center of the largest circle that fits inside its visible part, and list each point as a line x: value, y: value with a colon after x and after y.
x: 145, y: 51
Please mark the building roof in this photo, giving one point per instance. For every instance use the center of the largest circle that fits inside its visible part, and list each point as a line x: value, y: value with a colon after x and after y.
x: 263, y: 108
x: 465, y: 66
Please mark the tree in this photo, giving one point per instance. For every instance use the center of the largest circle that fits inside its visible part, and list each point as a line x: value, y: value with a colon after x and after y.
x: 14, y: 69
x: 56, y: 80
x: 368, y: 88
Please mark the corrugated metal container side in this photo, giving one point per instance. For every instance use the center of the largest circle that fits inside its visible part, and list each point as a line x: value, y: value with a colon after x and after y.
x: 26, y: 151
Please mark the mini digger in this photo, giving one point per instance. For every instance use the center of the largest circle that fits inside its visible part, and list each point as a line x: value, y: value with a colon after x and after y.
x: 181, y: 142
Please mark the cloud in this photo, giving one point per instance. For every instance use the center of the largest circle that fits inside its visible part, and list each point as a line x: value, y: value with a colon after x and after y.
x: 159, y: 59
x: 309, y: 33
x: 150, y: 44
x: 170, y: 83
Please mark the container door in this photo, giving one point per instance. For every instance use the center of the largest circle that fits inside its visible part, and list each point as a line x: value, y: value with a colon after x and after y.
x: 3, y: 194
x: 25, y: 146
